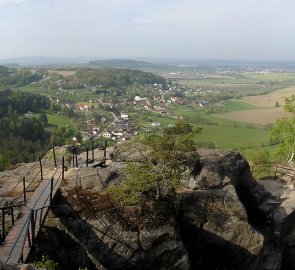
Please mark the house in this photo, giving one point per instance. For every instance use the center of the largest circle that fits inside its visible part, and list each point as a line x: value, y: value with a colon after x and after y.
x: 117, y: 134
x: 106, y: 135
x: 124, y: 116
x: 156, y: 124
x: 176, y: 100
x: 138, y: 98
x: 29, y: 114
x: 95, y: 131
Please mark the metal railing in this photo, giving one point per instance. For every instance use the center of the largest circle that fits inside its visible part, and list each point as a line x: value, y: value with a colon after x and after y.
x: 273, y: 172
x: 57, y: 176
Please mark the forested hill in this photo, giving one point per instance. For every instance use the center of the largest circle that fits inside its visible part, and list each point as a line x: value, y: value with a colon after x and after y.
x: 124, y: 63
x: 107, y: 77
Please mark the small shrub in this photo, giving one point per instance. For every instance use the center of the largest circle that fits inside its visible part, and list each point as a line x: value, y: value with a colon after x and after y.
x: 206, y: 144
x: 259, y: 157
x: 47, y: 263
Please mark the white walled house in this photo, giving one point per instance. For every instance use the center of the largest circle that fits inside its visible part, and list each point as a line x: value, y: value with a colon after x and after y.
x: 106, y: 135
x: 124, y: 116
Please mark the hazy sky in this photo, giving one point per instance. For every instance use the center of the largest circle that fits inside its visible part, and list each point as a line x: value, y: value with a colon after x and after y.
x: 199, y: 29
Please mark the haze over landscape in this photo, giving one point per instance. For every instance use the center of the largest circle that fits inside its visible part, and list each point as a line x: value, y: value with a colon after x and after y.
x: 188, y: 29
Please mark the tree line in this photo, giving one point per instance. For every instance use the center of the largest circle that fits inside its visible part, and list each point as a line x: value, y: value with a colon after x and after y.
x: 17, y: 78
x: 20, y: 102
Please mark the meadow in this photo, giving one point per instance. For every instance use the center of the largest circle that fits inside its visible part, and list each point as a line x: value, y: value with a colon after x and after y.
x: 57, y: 120
x: 222, y: 133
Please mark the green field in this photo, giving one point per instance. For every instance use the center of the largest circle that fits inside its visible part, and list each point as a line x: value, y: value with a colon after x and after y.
x: 227, y: 86
x: 223, y: 133
x: 56, y: 120
x: 237, y: 105
x: 60, y: 120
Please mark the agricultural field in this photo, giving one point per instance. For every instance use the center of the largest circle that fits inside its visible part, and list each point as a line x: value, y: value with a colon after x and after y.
x: 269, y: 100
x: 218, y: 132
x: 260, y: 110
x: 64, y: 73
x: 242, y: 83
x: 257, y: 117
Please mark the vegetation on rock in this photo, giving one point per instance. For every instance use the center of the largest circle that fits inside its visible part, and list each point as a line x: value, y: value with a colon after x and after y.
x: 164, y: 157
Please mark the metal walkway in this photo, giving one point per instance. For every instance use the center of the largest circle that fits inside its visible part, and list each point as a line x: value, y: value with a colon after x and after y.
x: 18, y: 242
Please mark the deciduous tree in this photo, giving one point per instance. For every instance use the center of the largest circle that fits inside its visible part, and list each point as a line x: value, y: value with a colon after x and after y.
x: 284, y: 130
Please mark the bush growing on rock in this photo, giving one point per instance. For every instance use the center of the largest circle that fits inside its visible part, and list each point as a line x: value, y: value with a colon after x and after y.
x: 163, y: 158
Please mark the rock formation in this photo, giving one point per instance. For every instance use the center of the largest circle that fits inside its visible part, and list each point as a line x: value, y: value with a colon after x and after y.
x: 206, y: 226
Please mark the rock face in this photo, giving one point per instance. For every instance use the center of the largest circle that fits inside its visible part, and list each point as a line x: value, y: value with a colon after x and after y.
x: 134, y: 238
x: 215, y: 217
x: 206, y: 226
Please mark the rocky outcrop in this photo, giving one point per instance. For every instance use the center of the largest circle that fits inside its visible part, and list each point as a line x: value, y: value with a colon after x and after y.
x: 205, y: 227
x: 215, y: 217
x: 133, y: 238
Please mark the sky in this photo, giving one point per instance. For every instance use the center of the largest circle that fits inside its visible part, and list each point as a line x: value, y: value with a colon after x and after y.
x: 188, y: 29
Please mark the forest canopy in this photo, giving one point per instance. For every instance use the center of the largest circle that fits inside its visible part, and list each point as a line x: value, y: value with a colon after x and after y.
x: 107, y: 77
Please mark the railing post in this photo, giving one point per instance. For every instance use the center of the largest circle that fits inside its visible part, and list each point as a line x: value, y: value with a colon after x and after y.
x: 24, y: 187
x: 63, y: 168
x: 33, y: 225
x: 87, y: 157
x: 76, y: 156
x: 276, y: 173
x: 40, y: 220
x: 3, y: 224
x: 54, y: 157
x: 51, y: 190
x: 41, y: 169
x: 92, y: 149
x: 105, y: 150
x: 29, y: 239
x: 12, y: 215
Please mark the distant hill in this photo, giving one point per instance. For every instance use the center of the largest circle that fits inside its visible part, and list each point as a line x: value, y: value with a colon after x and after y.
x: 124, y: 63
x: 46, y: 60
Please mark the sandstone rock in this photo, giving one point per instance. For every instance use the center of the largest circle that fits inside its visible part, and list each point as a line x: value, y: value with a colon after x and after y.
x: 206, y: 224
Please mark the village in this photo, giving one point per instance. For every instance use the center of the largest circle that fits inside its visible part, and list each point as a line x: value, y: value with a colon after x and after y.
x: 112, y: 117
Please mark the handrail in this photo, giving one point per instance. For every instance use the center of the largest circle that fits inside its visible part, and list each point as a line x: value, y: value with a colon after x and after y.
x: 277, y: 170
x: 11, y: 205
x: 29, y: 170
x: 25, y: 225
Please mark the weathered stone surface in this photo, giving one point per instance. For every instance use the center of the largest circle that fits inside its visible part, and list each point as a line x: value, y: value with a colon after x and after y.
x: 112, y: 246
x: 124, y: 152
